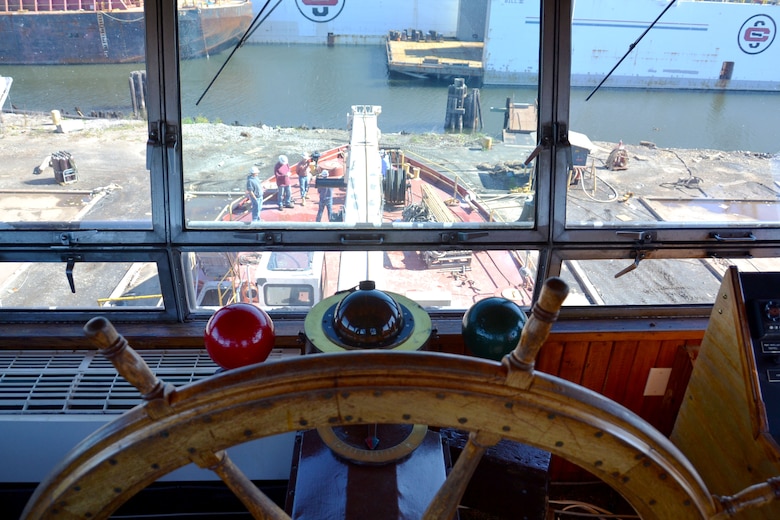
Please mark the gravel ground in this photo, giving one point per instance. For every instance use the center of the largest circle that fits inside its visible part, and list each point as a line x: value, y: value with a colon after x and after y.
x: 111, y: 159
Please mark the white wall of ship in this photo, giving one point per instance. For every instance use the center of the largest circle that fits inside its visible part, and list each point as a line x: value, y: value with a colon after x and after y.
x: 354, y: 21
x: 686, y: 49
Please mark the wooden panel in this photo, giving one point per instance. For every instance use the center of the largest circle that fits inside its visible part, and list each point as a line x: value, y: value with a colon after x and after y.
x: 596, y: 364
x: 573, y: 361
x: 620, y: 364
x: 719, y: 425
x: 619, y: 370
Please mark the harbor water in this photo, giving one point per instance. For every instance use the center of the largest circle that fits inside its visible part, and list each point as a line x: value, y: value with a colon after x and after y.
x: 315, y: 86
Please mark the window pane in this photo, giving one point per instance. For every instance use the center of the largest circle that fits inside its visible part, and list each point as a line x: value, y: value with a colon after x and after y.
x: 96, y: 285
x: 438, y: 151
x: 681, y: 131
x: 296, y: 281
x: 74, y: 136
x: 652, y: 282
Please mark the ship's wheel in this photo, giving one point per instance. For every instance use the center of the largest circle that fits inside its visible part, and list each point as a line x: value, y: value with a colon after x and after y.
x: 491, y: 400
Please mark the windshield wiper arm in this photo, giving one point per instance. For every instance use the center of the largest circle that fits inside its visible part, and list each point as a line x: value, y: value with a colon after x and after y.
x: 249, y: 31
x: 631, y: 48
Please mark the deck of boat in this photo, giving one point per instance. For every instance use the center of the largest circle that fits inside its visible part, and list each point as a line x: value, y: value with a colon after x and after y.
x: 414, y: 191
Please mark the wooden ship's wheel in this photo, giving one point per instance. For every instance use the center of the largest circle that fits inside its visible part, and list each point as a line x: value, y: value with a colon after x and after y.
x: 491, y: 400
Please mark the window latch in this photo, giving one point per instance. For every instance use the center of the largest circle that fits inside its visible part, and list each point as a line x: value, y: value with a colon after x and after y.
x: 545, y: 142
x: 160, y: 134
x: 638, y: 257
x: 555, y: 133
x: 642, y: 237
x: 462, y: 236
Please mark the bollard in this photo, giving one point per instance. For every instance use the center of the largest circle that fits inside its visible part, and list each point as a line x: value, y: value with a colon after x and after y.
x: 56, y: 118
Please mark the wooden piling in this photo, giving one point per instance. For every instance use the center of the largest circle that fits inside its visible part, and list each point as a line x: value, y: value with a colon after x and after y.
x: 456, y: 95
x: 138, y: 93
x: 464, y: 109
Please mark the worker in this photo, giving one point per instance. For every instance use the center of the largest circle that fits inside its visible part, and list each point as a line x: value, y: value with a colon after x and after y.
x: 326, y: 199
x: 254, y: 191
x: 304, y: 173
x: 282, y: 174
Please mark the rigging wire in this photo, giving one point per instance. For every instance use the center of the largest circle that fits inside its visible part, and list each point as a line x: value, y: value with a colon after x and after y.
x: 630, y: 48
x: 249, y: 31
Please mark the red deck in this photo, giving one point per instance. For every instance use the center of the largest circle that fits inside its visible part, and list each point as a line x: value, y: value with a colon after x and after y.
x: 455, y: 284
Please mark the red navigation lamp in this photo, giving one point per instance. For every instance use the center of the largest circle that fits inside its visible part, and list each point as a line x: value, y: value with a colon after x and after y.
x: 239, y: 334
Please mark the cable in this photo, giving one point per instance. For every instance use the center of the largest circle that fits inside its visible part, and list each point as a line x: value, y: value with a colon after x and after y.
x: 591, y: 510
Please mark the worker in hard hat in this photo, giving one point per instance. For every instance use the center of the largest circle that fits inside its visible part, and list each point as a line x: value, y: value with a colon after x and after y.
x: 283, y: 183
x: 254, y: 192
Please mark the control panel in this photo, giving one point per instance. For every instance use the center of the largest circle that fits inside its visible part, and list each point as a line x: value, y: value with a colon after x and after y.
x: 761, y: 292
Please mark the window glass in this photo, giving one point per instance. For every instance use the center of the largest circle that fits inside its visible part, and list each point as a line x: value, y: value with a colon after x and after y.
x: 620, y: 282
x: 680, y: 131
x: 369, y: 115
x: 296, y: 281
x: 80, y: 285
x: 372, y: 119
x: 74, y: 136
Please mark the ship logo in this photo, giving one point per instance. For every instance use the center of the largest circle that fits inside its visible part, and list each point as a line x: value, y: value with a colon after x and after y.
x: 757, y: 34
x: 320, y: 11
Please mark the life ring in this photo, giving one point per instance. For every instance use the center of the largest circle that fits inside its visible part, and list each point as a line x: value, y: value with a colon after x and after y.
x: 249, y: 293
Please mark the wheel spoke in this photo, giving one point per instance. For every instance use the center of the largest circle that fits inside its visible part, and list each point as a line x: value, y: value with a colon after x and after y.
x: 257, y: 503
x: 445, y: 503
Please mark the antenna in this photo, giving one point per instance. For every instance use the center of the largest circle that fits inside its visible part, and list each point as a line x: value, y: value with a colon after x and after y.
x: 630, y: 48
x: 249, y: 31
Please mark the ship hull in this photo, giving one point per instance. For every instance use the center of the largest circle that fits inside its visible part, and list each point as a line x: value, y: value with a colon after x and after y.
x: 694, y: 45
x: 82, y: 37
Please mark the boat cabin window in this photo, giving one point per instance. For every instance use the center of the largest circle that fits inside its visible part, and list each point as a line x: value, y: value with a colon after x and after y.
x: 278, y: 154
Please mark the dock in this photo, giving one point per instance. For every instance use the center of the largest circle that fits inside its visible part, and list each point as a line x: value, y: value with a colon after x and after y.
x: 435, y: 58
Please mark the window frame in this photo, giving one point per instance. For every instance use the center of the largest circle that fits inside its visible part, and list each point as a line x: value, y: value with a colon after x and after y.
x: 169, y: 237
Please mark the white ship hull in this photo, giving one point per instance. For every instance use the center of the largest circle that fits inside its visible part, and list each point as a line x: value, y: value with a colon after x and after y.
x: 723, y: 45
x: 695, y: 45
x: 353, y: 22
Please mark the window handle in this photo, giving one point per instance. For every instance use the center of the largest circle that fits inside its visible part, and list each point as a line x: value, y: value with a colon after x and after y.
x: 638, y: 258
x: 363, y: 240
x: 749, y: 237
x: 71, y: 263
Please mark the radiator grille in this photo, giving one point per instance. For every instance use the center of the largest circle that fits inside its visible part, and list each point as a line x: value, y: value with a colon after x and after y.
x: 85, y: 382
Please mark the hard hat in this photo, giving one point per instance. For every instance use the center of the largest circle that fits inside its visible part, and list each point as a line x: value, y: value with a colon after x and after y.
x: 283, y: 159
x: 324, y: 174
x: 254, y: 170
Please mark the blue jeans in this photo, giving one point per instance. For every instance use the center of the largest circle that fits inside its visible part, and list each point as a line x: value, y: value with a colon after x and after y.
x: 304, y: 184
x: 325, y: 204
x: 285, y: 196
x: 255, y: 209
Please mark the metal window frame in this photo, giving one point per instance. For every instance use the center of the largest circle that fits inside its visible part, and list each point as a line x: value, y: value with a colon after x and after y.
x: 169, y: 235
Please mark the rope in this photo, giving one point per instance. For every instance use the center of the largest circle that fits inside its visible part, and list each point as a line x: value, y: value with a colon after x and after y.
x: 104, y: 13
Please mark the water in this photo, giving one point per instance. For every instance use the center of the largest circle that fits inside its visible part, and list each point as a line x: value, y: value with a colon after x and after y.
x: 315, y: 86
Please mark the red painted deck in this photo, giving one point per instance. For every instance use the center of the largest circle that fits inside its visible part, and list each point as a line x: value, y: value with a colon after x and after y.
x: 489, y: 273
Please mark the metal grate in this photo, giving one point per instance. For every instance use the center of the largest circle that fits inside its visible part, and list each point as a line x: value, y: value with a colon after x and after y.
x: 84, y: 382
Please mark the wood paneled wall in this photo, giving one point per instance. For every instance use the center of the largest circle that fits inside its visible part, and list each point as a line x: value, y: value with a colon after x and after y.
x: 618, y: 369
